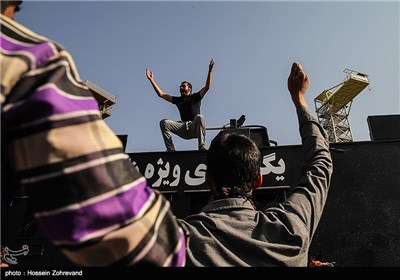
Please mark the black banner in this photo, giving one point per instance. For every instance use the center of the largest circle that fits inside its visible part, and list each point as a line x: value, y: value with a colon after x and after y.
x: 185, y: 171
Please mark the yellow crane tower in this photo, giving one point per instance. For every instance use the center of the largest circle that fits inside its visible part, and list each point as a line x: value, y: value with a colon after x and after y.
x: 333, y: 106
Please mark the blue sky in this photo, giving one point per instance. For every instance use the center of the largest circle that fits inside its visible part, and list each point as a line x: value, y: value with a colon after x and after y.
x: 253, y: 44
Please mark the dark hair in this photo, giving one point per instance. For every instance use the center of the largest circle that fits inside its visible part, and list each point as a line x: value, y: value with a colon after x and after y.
x: 233, y: 162
x: 189, y: 84
x: 5, y: 4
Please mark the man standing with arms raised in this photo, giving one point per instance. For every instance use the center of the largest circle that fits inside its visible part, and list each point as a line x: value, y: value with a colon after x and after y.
x: 192, y: 124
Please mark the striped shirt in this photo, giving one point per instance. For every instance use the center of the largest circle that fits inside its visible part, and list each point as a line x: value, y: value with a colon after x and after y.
x: 87, y: 196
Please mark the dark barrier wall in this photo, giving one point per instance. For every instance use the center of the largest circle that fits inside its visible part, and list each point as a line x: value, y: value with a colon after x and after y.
x: 361, y: 221
x: 359, y: 227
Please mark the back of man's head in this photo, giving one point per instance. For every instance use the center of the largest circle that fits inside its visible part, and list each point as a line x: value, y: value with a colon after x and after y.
x: 233, y: 163
x: 9, y: 8
x: 5, y: 4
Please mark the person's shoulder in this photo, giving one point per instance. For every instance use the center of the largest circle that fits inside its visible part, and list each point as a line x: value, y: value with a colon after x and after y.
x: 28, y: 35
x: 196, y: 96
x: 176, y: 99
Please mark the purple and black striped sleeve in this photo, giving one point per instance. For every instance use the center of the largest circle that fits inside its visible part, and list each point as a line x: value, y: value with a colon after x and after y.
x: 88, y: 198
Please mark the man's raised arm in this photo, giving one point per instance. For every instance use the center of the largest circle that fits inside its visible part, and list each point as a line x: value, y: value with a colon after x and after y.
x: 157, y: 89
x: 309, y: 196
x: 204, y: 90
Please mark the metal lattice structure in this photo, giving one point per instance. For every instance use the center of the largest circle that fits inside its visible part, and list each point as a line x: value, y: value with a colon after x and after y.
x: 104, y: 98
x: 333, y: 106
